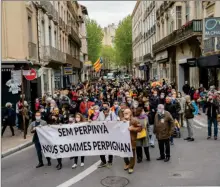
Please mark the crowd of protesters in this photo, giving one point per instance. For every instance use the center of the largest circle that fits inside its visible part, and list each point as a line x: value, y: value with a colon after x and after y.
x: 155, y: 108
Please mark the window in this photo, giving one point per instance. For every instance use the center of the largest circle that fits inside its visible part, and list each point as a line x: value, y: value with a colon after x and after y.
x: 55, y: 39
x: 63, y: 44
x: 187, y: 10
x: 50, y: 39
x: 43, y: 32
x: 171, y: 26
x: 30, y: 29
x: 178, y: 17
x: 60, y: 43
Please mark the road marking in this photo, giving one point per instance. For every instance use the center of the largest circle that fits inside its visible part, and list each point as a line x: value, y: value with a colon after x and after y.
x: 199, y: 123
x: 80, y: 176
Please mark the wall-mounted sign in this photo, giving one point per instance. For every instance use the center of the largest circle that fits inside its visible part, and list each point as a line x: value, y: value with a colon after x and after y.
x: 192, y: 62
x: 67, y: 70
x: 212, y: 27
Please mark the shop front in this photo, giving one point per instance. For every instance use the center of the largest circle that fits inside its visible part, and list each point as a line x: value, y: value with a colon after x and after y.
x: 163, y: 63
x: 210, y: 68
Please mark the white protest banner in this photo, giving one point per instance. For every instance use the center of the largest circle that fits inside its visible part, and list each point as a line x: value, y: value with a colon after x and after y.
x: 86, y: 139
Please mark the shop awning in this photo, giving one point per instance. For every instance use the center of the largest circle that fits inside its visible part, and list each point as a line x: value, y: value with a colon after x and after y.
x: 209, y: 61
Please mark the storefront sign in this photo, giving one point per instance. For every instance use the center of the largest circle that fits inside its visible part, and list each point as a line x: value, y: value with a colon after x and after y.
x: 212, y: 27
x: 192, y: 62
x: 68, y: 70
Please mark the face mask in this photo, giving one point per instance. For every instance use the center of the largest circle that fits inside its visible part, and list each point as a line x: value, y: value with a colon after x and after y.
x: 71, y: 120
x: 162, y: 96
x: 160, y: 111
x: 37, y: 118
x: 129, y: 102
x: 96, y: 111
x: 116, y: 106
x: 155, y: 95
x: 179, y: 95
x: 77, y: 119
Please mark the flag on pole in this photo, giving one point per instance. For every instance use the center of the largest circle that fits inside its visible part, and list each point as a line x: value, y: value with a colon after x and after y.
x: 98, y: 64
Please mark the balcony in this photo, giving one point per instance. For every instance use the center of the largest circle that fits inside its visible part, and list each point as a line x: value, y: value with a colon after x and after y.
x: 140, y: 59
x: 137, y: 39
x: 147, y: 56
x: 72, y: 33
x: 32, y: 50
x: 187, y: 31
x: 50, y: 10
x: 60, y: 23
x: 73, y: 61
x: 52, y: 54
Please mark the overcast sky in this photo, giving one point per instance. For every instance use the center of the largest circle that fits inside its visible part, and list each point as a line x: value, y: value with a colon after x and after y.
x: 108, y: 12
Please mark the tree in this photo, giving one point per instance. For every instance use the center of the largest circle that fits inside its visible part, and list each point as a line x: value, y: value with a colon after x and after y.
x: 108, y: 56
x: 123, y: 42
x: 95, y: 36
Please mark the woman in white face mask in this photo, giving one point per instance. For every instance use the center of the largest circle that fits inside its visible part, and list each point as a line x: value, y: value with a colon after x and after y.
x: 78, y: 119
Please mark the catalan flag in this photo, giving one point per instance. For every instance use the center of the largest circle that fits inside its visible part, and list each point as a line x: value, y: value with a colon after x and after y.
x: 98, y: 64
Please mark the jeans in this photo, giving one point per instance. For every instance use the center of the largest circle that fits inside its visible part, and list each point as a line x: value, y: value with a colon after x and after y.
x: 103, y: 159
x: 151, y: 135
x: 214, y: 121
x: 171, y: 139
x: 164, y: 144
x: 189, y: 123
x: 130, y: 162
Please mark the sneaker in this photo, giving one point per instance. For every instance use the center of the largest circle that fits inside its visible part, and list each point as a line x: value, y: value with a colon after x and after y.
x: 215, y: 138
x: 101, y: 165
x: 130, y: 171
x: 171, y: 143
x: 40, y: 165
x: 82, y: 164
x: 208, y: 137
x: 152, y: 146
x: 74, y: 166
x: 126, y: 167
x: 191, y: 140
x: 160, y: 158
x: 187, y: 138
x: 109, y: 165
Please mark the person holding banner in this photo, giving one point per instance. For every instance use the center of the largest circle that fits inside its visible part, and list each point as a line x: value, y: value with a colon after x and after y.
x: 106, y: 115
x: 134, y: 128
x: 79, y: 119
x: 38, y: 123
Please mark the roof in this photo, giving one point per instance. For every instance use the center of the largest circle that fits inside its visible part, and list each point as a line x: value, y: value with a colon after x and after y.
x: 135, y: 8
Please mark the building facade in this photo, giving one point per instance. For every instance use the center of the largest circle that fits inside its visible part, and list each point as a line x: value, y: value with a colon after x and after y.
x: 83, y: 13
x: 209, y: 63
x: 178, y: 41
x: 137, y: 39
x: 109, y: 35
x: 46, y: 36
x: 19, y: 47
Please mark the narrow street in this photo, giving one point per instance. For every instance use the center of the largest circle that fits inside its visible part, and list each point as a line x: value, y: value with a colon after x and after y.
x: 192, y: 164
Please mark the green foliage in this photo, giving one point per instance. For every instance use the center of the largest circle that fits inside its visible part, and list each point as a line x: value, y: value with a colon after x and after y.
x: 108, y: 54
x: 123, y: 42
x: 95, y: 36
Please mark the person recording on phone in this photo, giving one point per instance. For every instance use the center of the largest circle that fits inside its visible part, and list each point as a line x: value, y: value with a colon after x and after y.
x: 212, y: 112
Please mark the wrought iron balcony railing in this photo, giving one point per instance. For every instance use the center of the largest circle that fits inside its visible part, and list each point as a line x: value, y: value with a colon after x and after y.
x: 72, y: 33
x: 52, y: 54
x: 32, y: 50
x: 190, y: 29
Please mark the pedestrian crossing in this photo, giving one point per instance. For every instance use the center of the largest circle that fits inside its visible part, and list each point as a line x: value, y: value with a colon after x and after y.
x: 199, y: 124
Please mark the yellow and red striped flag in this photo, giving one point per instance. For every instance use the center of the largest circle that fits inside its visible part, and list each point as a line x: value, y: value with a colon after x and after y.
x: 98, y: 64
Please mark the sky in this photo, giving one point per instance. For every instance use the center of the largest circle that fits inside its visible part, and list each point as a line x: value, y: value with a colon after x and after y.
x: 108, y: 12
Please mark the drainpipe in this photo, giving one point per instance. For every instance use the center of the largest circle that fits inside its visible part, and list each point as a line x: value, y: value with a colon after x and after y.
x: 38, y: 45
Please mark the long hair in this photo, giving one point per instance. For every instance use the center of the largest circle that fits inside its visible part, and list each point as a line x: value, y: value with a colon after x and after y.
x: 82, y: 119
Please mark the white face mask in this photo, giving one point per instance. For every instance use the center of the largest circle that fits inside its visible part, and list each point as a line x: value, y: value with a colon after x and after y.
x: 77, y: 119
x: 71, y: 120
x: 37, y: 118
x: 116, y: 106
x: 96, y: 110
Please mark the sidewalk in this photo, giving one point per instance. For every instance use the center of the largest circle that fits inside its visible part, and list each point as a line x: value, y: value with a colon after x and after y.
x: 11, y: 144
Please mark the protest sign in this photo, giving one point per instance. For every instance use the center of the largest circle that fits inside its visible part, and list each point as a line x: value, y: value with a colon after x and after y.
x: 86, y: 139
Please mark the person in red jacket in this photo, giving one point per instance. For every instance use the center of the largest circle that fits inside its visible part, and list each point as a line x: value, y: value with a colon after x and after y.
x: 85, y: 106
x: 196, y: 95
x: 74, y: 95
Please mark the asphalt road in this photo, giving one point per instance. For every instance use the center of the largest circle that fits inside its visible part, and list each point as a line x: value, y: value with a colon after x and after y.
x: 192, y: 164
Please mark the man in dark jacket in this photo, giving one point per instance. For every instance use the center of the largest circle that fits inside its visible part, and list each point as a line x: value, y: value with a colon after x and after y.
x: 212, y: 111
x: 38, y: 123
x: 186, y: 88
x: 188, y: 112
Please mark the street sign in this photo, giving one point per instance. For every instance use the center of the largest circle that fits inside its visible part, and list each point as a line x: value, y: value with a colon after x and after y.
x: 68, y: 70
x: 32, y: 76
